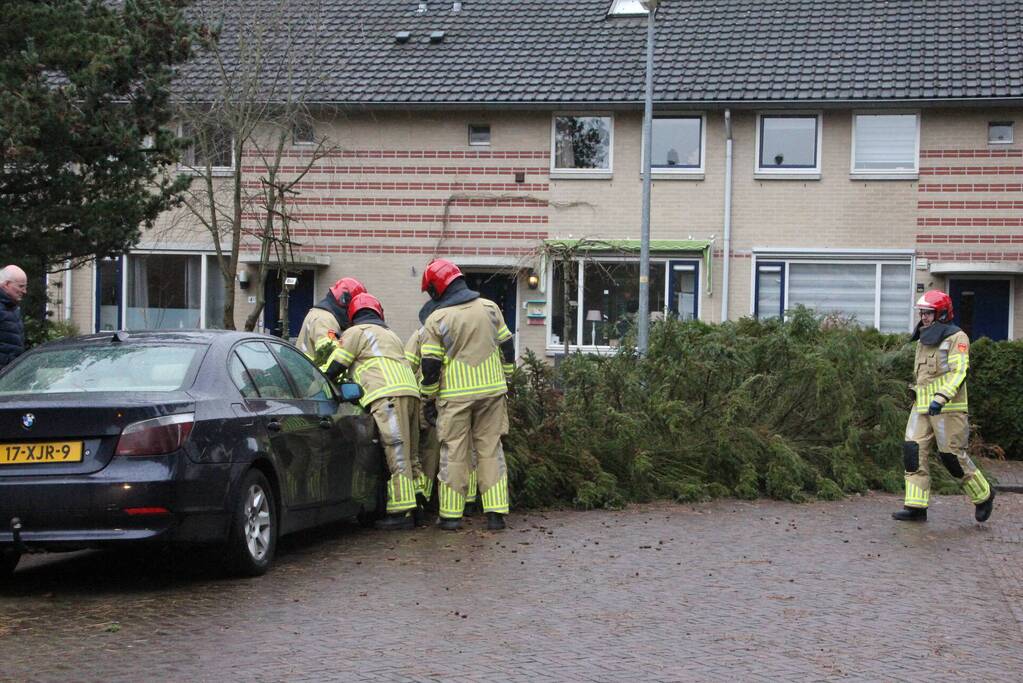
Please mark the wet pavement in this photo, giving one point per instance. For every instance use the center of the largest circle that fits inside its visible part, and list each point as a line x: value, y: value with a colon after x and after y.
x: 723, y: 591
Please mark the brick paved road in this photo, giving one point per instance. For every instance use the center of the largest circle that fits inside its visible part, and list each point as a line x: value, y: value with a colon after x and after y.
x: 727, y: 591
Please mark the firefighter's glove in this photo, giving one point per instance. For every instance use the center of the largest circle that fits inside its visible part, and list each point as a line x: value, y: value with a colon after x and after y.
x: 430, y: 412
x: 935, y: 408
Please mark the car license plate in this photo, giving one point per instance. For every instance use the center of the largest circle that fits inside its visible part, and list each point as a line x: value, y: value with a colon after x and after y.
x: 32, y: 453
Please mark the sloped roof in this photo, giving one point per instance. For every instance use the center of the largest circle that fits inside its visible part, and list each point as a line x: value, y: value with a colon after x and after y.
x: 532, y: 52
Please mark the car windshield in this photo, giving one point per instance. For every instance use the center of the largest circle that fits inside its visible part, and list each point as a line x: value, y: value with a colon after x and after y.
x: 149, y: 367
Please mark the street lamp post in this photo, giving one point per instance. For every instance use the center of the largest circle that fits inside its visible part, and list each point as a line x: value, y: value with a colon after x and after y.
x: 643, y: 333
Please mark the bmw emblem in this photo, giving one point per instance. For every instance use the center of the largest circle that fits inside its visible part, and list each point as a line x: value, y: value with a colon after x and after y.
x: 27, y: 420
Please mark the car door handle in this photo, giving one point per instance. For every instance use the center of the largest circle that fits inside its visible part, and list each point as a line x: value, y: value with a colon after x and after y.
x: 326, y: 422
x: 273, y: 426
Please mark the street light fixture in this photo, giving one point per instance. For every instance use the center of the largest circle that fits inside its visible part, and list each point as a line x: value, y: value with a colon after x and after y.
x: 643, y: 334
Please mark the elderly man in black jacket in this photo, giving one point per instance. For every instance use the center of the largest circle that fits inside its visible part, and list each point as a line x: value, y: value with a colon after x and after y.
x: 13, y: 285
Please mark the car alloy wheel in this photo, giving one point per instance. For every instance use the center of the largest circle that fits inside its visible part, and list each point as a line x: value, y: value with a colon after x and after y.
x: 257, y: 522
x: 250, y: 547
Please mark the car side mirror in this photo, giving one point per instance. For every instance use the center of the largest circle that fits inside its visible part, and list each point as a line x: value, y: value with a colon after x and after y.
x: 351, y: 392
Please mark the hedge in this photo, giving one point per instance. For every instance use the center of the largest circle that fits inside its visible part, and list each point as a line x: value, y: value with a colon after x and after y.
x: 792, y: 410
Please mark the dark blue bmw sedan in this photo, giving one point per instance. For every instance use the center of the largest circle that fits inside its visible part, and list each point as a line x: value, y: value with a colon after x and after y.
x: 207, y: 437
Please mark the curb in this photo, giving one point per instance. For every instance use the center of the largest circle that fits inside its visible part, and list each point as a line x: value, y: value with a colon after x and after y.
x: 1008, y: 488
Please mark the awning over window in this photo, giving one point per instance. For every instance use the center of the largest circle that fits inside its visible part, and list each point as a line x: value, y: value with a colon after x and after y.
x: 658, y: 248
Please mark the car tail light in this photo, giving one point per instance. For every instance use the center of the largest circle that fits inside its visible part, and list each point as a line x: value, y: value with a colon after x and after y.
x: 157, y: 436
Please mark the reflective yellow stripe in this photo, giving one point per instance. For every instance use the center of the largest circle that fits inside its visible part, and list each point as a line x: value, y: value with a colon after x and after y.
x: 432, y: 350
x: 473, y: 488
x: 977, y: 487
x: 401, y: 494
x: 495, y: 499
x: 452, y: 503
x: 503, y: 334
x: 916, y: 497
x: 462, y: 379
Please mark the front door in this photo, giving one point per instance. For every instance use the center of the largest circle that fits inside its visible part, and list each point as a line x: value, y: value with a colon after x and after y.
x: 299, y: 302
x: 981, y: 307
x: 499, y: 288
x: 683, y: 289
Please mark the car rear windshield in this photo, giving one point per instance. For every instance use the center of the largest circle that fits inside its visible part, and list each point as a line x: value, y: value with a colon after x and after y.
x: 101, y: 368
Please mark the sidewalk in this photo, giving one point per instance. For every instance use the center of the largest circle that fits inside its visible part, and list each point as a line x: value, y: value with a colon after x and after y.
x: 1009, y: 474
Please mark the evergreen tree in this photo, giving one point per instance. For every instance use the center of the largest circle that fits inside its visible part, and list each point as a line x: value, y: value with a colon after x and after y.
x: 86, y: 151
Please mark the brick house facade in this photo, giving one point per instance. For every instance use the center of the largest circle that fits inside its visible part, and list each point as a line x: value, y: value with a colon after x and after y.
x: 486, y: 185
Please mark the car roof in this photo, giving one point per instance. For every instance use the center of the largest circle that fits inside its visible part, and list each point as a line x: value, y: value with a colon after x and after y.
x: 205, y: 337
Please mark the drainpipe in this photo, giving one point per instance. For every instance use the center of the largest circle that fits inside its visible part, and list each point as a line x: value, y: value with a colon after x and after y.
x: 67, y: 292
x: 727, y: 247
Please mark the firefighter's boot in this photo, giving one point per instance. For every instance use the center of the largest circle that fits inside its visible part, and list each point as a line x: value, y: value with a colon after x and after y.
x: 495, y: 521
x: 399, y: 521
x: 449, y: 524
x: 983, y: 511
x: 911, y: 515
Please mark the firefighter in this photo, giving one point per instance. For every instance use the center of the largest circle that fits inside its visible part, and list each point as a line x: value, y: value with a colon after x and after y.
x: 427, y: 446
x: 425, y: 436
x: 468, y: 357
x: 939, y: 417
x: 328, y: 319
x: 373, y: 356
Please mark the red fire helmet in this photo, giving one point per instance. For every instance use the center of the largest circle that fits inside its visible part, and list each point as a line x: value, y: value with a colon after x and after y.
x: 438, y: 275
x: 365, y: 300
x: 347, y: 288
x: 939, y: 302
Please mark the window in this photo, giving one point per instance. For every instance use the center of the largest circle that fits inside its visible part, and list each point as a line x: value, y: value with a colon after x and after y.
x: 111, y: 367
x: 788, y: 144
x: 265, y: 372
x: 108, y: 294
x: 479, y: 134
x: 999, y: 133
x: 582, y: 145
x: 769, y: 300
x: 215, y: 296
x: 885, y: 144
x: 676, y: 144
x: 603, y: 301
x: 211, y: 147
x: 303, y: 131
x: 164, y: 292
x: 311, y: 384
x: 240, y: 377
x: 873, y: 293
x: 626, y: 8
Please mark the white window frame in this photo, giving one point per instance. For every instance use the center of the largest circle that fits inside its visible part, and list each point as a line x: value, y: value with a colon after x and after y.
x: 590, y: 173
x: 204, y: 261
x: 1012, y: 132
x: 662, y: 260
x: 908, y: 174
x: 878, y: 258
x: 804, y: 173
x: 201, y: 170
x: 668, y: 172
x: 468, y: 133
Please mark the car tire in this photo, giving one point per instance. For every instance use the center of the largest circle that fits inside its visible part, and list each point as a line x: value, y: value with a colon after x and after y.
x: 8, y: 562
x: 253, y: 539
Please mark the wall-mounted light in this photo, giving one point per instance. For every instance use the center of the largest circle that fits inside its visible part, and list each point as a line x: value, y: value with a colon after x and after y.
x: 243, y: 279
x: 532, y: 280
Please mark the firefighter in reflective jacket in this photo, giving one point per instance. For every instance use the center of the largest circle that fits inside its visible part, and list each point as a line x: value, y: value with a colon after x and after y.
x: 327, y: 320
x: 939, y: 417
x: 373, y: 356
x: 468, y: 357
x: 428, y: 446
